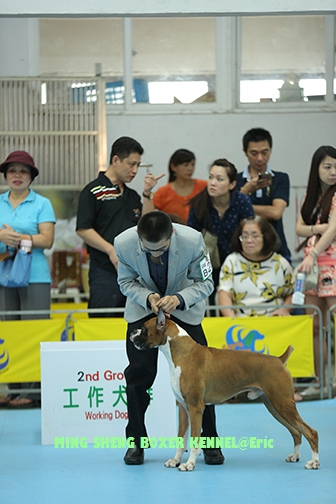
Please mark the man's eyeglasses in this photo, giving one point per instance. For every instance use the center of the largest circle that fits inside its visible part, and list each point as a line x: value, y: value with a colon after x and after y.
x: 161, y: 249
x: 253, y: 237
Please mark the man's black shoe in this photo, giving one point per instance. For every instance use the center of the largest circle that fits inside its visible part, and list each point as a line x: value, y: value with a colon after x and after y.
x: 134, y: 456
x: 213, y: 456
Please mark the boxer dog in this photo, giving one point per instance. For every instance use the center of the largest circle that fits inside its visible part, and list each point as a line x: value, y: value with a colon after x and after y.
x: 203, y: 375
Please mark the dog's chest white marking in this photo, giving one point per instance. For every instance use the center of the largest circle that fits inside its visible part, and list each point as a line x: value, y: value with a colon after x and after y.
x: 174, y: 371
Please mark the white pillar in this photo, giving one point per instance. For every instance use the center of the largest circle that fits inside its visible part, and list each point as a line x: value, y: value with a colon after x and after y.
x: 19, y: 47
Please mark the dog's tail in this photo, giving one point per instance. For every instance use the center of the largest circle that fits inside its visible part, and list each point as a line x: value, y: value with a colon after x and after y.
x: 285, y: 356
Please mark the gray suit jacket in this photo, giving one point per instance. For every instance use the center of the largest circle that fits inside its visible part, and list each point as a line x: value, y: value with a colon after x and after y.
x: 186, y: 252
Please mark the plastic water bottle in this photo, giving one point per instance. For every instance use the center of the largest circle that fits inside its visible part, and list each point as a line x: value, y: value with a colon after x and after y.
x: 298, y: 296
x: 26, y: 246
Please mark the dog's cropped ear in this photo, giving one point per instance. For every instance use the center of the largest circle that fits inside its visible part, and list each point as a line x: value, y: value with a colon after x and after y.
x: 161, y: 321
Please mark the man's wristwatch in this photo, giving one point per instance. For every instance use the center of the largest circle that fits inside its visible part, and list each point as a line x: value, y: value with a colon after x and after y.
x: 148, y: 196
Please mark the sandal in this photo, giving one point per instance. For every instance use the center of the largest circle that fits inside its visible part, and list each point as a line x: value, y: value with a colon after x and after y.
x: 297, y: 397
x: 22, y: 403
x: 312, y: 389
x: 4, y: 401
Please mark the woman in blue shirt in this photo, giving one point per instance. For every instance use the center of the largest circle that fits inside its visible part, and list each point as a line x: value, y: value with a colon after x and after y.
x: 219, y: 208
x: 25, y: 215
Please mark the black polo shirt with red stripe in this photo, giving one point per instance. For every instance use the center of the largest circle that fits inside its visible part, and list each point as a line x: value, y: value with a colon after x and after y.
x: 102, y: 207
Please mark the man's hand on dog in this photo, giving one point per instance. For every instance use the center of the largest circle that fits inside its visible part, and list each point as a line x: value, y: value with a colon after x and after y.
x: 167, y: 303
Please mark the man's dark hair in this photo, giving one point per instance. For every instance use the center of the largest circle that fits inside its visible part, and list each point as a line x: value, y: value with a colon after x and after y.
x: 123, y: 147
x: 155, y: 226
x: 256, y: 135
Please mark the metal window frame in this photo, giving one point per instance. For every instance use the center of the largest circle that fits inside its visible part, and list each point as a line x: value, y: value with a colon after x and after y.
x: 227, y: 76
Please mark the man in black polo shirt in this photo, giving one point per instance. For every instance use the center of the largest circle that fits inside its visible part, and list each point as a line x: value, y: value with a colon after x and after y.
x: 106, y: 208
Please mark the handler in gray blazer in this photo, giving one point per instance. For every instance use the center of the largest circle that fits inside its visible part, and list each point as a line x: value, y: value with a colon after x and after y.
x: 161, y: 266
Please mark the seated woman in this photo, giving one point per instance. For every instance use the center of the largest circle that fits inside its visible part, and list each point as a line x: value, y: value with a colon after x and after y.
x: 173, y: 198
x: 254, y: 274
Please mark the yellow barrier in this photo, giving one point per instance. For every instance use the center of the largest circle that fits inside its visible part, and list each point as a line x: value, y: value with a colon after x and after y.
x: 100, y: 329
x: 331, y: 339
x: 19, y: 340
x: 334, y: 349
x: 20, y: 348
x: 267, y: 335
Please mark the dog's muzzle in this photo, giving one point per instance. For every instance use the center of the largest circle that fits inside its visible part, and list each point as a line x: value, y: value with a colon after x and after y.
x: 139, y: 339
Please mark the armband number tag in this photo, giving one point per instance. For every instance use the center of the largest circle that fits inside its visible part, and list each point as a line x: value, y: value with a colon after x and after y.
x: 206, y: 267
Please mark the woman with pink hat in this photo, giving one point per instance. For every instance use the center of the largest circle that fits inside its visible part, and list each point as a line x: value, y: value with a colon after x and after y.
x: 25, y: 216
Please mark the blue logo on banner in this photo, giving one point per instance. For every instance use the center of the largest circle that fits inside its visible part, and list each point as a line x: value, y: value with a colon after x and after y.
x: 241, y: 338
x: 4, y: 355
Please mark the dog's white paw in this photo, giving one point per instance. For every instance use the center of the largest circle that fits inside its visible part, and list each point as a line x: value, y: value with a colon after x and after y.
x: 294, y: 457
x: 312, y: 464
x: 187, y: 466
x: 172, y: 463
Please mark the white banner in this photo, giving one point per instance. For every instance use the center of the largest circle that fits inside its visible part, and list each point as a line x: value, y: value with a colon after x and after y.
x: 84, y: 395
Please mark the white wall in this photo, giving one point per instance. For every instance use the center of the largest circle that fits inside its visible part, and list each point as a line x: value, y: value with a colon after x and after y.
x: 178, y: 46
x: 295, y: 138
x: 19, y: 45
x: 65, y: 8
